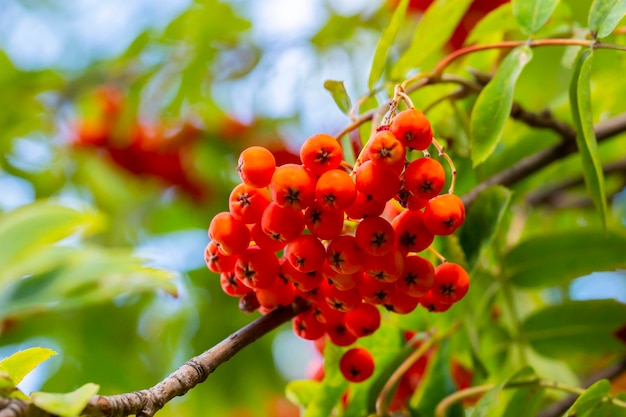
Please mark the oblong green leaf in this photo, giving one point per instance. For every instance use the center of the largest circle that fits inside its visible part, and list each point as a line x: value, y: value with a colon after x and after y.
x: 21, y: 363
x: 493, y: 105
x: 590, y: 400
x: 576, y: 327
x: 580, y: 101
x: 491, y: 398
x: 604, y: 16
x: 483, y: 219
x: 65, y: 405
x: 531, y: 15
x: 339, y: 94
x: 385, y: 42
x: 433, y: 31
x: 554, y: 259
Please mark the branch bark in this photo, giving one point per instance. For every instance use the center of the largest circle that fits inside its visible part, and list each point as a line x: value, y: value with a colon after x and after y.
x: 145, y: 403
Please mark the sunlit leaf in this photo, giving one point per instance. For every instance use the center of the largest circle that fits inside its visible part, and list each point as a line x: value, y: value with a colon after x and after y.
x: 65, y: 405
x: 576, y: 327
x: 556, y: 258
x: 591, y: 400
x: 525, y: 401
x: 385, y: 42
x: 483, y: 220
x: 531, y: 15
x: 339, y: 93
x: 21, y: 363
x: 335, y: 385
x: 491, y: 399
x: 36, y: 225
x: 493, y: 105
x: 580, y: 100
x: 498, y: 21
x: 433, y: 31
x: 605, y: 15
x: 302, y: 392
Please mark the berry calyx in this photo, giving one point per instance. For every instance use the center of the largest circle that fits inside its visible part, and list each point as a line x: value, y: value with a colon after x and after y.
x: 357, y: 364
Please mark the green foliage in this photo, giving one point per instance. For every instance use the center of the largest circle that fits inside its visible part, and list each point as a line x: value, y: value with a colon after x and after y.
x: 605, y: 15
x: 533, y: 14
x: 493, y: 105
x: 65, y: 405
x: 580, y: 98
x: 339, y: 93
x: 385, y: 43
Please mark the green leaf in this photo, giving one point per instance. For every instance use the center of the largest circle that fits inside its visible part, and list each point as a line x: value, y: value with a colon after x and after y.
x: 576, y: 327
x: 491, y: 399
x: 334, y: 386
x: 591, y: 400
x: 525, y: 402
x: 496, y: 22
x: 483, y: 220
x: 65, y: 405
x: 605, y: 15
x: 21, y: 363
x: 433, y: 31
x: 556, y: 258
x: 493, y: 105
x: 37, y: 225
x: 302, y: 392
x: 531, y: 15
x: 436, y: 386
x: 385, y: 42
x: 580, y: 101
x: 339, y: 93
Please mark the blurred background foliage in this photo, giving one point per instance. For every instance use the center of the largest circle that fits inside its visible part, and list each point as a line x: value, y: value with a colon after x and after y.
x: 130, y: 116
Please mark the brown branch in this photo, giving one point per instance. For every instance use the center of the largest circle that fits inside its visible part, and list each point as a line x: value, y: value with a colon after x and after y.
x: 145, y: 403
x: 539, y: 160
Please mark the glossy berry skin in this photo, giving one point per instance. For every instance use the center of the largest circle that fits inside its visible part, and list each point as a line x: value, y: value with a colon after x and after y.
x: 364, y: 320
x: 248, y: 203
x: 385, y: 150
x: 335, y: 190
x: 257, y: 268
x: 411, y: 232
x: 305, y: 253
x: 418, y: 276
x: 451, y: 283
x: 412, y: 128
x: 444, y: 214
x: 323, y: 224
x: 357, y: 364
x: 306, y: 326
x: 282, y: 223
x: 424, y: 178
x: 216, y: 261
x: 364, y: 206
x: 293, y: 186
x: 321, y: 153
x: 256, y: 166
x: 379, y: 182
x: 375, y: 236
x: 344, y: 255
x: 230, y: 234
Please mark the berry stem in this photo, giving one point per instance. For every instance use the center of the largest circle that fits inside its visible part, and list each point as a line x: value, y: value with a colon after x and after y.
x: 442, y: 152
x: 437, y: 254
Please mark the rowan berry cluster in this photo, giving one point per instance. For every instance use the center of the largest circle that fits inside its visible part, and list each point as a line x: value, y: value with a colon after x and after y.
x: 346, y: 239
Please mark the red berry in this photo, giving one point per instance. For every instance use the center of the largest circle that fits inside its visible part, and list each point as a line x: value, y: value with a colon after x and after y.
x: 342, y: 300
x: 230, y: 234
x: 344, y: 255
x: 335, y: 190
x: 385, y: 150
x: 413, y: 129
x: 282, y: 223
x: 248, y: 203
x: 411, y: 232
x: 306, y: 326
x: 293, y: 186
x: 363, y: 206
x: 375, y: 236
x: 424, y: 178
x: 451, y: 282
x: 257, y: 268
x: 216, y: 261
x: 280, y: 293
x: 305, y: 253
x: 418, y: 276
x: 256, y: 166
x: 357, y: 364
x: 363, y: 320
x: 231, y: 285
x: 380, y: 182
x: 321, y: 153
x: 323, y: 224
x: 444, y: 214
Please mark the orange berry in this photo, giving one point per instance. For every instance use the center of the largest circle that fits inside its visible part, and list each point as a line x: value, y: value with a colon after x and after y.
x: 256, y: 166
x: 444, y: 214
x: 321, y: 153
x: 413, y: 129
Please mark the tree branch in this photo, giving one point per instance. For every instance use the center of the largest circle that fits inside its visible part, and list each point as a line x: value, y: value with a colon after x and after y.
x: 145, y: 403
x: 539, y: 160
